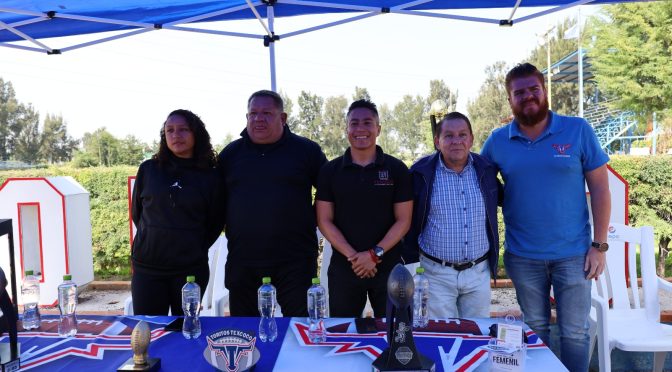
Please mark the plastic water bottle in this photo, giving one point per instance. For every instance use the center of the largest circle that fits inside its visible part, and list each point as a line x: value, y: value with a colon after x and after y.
x: 420, y: 299
x: 318, y: 310
x: 268, y: 329
x: 30, y: 292
x: 67, y: 304
x: 191, y: 305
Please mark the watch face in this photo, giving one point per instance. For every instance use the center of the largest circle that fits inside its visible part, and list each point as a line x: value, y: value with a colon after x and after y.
x: 602, y: 247
x: 378, y: 251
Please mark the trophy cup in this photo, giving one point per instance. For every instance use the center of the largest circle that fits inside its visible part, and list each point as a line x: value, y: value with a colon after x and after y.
x: 401, y: 355
x: 140, y: 344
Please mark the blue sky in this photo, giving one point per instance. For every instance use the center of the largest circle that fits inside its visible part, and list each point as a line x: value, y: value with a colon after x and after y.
x: 130, y: 85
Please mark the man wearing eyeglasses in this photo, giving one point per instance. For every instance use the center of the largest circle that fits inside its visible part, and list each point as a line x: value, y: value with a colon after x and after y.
x: 454, y: 227
x: 270, y: 220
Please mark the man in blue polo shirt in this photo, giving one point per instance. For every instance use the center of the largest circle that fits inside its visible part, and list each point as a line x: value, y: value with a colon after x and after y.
x: 545, y: 159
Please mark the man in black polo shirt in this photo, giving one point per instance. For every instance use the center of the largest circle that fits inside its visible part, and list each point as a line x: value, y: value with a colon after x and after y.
x: 364, y: 206
x: 270, y: 220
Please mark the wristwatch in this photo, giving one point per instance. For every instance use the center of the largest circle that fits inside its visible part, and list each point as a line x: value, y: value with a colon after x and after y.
x: 601, y: 247
x: 378, y: 252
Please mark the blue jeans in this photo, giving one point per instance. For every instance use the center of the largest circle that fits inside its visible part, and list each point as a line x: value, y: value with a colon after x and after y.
x: 457, y: 294
x: 532, y: 280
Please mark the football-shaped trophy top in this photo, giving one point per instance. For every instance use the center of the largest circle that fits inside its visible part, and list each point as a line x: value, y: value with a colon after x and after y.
x: 400, y: 287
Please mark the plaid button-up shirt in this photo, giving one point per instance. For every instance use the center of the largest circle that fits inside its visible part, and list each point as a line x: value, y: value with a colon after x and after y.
x: 456, y: 224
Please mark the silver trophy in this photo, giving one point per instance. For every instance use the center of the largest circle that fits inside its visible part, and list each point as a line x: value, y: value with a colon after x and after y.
x: 401, y: 355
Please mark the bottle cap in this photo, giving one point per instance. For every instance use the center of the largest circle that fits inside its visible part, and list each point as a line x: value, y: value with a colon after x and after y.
x: 316, y: 280
x: 67, y: 277
x: 420, y: 270
x: 191, y: 279
x: 266, y: 280
x: 29, y: 272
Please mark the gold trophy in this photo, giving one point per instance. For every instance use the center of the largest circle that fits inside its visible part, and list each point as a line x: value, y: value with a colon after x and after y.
x: 140, y: 344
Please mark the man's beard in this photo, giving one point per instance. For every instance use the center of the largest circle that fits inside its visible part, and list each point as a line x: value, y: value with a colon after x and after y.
x: 532, y: 119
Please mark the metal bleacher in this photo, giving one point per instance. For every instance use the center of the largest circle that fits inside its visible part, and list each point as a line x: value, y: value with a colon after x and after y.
x: 615, y: 129
x: 612, y: 126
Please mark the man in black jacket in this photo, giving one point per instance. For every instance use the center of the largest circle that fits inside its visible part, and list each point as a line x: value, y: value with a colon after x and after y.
x: 270, y: 221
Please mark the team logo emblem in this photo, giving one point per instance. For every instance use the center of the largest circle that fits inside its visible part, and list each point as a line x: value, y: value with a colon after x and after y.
x: 612, y: 229
x: 384, y: 178
x: 231, y: 350
x: 404, y: 355
x: 561, y: 149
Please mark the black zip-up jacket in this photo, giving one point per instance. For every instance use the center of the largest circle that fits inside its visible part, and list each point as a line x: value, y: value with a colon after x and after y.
x: 177, y: 209
x: 423, y: 172
x: 270, y: 218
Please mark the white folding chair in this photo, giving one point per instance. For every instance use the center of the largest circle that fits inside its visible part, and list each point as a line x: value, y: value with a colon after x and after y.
x: 629, y: 324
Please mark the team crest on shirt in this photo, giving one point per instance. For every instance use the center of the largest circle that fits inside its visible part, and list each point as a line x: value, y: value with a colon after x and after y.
x: 561, y: 150
x: 384, y: 178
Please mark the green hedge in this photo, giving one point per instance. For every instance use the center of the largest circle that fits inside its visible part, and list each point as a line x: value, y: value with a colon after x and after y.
x: 650, y: 180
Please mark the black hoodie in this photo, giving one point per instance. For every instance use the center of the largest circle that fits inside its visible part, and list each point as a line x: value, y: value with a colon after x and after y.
x: 178, y: 211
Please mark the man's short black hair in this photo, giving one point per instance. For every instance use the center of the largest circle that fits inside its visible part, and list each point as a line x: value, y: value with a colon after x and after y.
x: 277, y: 99
x: 363, y: 103
x: 452, y: 116
x: 523, y: 70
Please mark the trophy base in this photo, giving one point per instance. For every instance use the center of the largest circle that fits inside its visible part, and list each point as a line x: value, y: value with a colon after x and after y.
x: 426, y: 364
x: 7, y: 363
x: 153, y: 364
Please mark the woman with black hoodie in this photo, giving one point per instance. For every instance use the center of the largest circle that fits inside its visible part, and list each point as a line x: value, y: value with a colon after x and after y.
x: 176, y: 208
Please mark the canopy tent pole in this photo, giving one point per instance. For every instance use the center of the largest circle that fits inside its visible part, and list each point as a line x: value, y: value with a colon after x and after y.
x: 580, y: 67
x: 271, y: 45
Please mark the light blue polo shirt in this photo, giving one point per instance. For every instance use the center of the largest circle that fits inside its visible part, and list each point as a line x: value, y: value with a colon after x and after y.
x: 545, y: 208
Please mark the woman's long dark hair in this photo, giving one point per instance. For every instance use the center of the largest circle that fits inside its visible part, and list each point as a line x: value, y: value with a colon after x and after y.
x: 204, y: 154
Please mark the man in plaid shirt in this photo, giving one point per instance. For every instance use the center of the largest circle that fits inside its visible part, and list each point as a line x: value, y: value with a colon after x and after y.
x: 454, y: 228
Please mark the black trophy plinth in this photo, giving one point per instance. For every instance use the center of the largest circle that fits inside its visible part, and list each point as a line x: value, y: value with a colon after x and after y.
x: 401, y: 355
x: 9, y: 353
x: 153, y: 364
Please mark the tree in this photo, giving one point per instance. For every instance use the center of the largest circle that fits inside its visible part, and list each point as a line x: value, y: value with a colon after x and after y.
x: 361, y: 93
x: 490, y: 109
x: 309, y: 120
x: 438, y: 90
x: 389, y: 135
x: 332, y: 137
x: 28, y: 141
x: 10, y: 112
x: 289, y: 107
x: 227, y: 139
x: 407, y: 120
x: 57, y: 145
x: 631, y: 55
x: 101, y: 146
x: 131, y: 151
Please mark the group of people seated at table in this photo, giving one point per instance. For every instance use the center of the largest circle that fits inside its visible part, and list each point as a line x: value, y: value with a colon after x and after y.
x: 376, y: 212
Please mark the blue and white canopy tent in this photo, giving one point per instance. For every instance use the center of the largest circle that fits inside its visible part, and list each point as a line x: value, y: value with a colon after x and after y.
x: 24, y: 23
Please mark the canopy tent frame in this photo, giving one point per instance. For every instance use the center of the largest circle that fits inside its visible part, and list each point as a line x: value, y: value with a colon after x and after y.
x: 269, y: 37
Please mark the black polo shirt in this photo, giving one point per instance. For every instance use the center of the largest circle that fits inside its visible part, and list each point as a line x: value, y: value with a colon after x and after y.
x: 364, y: 199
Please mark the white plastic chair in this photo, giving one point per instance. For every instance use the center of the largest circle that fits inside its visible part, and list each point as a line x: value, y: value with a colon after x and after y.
x: 216, y: 297
x: 629, y: 324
